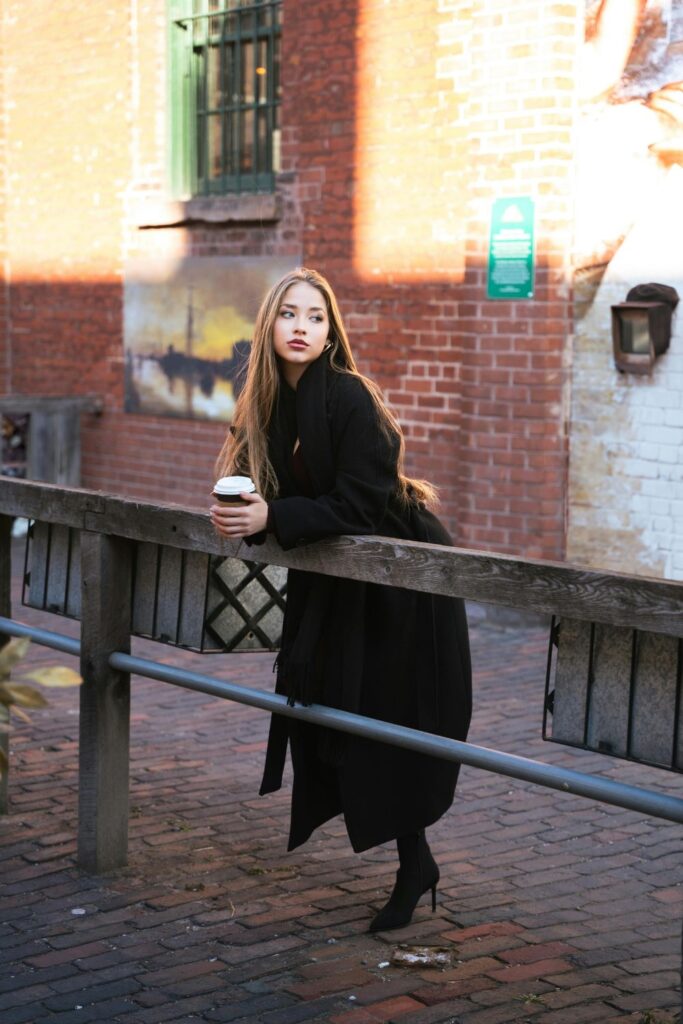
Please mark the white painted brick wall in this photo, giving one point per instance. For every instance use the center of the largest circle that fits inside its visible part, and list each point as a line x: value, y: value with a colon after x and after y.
x: 626, y: 432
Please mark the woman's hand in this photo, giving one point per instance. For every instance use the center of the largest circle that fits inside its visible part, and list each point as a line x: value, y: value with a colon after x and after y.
x: 236, y: 521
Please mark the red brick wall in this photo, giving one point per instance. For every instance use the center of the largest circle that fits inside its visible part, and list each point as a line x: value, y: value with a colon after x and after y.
x: 480, y: 105
x: 67, y: 158
x: 520, y: 120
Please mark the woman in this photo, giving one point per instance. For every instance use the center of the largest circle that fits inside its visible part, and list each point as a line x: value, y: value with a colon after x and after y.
x: 327, y: 458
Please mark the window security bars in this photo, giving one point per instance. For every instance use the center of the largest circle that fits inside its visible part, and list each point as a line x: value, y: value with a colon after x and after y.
x: 230, y: 66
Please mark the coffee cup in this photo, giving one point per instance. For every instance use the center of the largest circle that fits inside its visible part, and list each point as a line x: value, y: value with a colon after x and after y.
x: 228, y: 489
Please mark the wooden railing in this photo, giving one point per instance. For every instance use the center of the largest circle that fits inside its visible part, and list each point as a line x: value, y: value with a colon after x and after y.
x: 111, y: 527
x: 526, y: 584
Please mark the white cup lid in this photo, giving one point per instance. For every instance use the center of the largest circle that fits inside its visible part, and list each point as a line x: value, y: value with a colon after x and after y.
x: 233, y: 485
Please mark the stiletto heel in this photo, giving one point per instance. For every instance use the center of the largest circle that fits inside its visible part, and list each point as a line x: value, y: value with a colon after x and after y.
x: 418, y: 873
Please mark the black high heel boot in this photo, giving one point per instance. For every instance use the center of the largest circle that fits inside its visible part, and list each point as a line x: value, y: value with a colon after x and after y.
x: 417, y: 872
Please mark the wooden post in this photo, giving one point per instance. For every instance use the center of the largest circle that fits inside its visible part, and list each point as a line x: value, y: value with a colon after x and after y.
x: 5, y: 611
x: 54, y: 443
x: 105, y: 702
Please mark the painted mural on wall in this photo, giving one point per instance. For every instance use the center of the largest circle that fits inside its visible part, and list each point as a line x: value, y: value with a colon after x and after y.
x: 187, y: 332
x: 626, y: 433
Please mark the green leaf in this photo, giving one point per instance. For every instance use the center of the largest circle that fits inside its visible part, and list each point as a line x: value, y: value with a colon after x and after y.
x: 20, y: 713
x: 18, y: 694
x: 11, y: 653
x: 56, y: 676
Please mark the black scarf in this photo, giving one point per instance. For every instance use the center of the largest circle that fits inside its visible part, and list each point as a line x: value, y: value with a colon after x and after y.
x: 320, y: 659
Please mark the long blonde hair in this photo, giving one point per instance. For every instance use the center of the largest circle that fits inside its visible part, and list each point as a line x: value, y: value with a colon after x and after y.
x: 245, y: 450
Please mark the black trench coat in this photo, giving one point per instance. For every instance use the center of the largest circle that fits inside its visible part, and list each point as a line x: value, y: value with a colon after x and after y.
x: 381, y: 651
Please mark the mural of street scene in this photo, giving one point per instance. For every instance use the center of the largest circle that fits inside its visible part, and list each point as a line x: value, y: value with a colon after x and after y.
x: 187, y: 332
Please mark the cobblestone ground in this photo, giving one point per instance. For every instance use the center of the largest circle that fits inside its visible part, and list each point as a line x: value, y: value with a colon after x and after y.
x: 552, y: 909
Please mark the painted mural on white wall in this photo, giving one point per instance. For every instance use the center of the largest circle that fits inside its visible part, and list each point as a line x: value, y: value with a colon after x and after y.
x: 626, y: 432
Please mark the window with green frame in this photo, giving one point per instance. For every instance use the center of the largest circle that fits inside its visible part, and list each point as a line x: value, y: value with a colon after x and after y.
x: 225, y: 95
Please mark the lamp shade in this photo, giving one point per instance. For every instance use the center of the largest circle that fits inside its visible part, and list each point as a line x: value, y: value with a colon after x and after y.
x: 641, y: 326
x: 640, y: 332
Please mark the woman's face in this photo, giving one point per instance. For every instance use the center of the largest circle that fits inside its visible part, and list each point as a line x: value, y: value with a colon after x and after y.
x: 301, y: 329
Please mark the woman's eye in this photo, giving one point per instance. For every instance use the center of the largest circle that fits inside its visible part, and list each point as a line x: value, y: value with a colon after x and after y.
x: 317, y: 319
x: 286, y: 312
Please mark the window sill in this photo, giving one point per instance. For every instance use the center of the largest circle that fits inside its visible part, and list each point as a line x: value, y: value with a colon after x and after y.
x: 156, y: 212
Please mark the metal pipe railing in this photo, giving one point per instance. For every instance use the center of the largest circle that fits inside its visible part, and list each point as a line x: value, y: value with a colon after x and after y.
x: 44, y: 637
x: 658, y: 805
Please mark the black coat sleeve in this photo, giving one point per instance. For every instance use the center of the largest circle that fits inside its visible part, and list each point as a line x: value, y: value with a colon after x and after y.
x: 365, y: 475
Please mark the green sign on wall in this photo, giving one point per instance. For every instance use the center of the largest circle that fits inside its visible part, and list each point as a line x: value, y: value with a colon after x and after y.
x: 511, y: 249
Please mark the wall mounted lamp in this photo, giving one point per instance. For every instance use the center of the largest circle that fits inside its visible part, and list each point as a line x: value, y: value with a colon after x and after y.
x: 641, y: 326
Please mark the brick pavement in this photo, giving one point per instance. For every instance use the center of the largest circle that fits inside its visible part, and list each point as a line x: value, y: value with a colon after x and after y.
x: 553, y: 909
